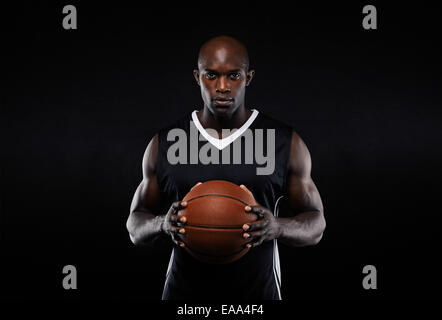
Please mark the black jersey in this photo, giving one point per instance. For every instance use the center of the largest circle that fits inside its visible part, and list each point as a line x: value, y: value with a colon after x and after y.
x: 239, y: 158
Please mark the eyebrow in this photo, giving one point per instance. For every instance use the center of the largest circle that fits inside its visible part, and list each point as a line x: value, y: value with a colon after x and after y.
x: 216, y: 72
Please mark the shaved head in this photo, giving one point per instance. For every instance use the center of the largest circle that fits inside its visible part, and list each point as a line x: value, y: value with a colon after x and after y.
x: 223, y: 75
x: 223, y: 48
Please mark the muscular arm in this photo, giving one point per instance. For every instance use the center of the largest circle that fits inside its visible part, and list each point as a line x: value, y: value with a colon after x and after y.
x: 308, y: 223
x: 144, y: 223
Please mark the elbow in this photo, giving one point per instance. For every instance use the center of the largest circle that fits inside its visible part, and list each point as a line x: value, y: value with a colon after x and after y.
x: 316, y: 240
x: 130, y: 230
x: 321, y: 230
x: 132, y: 239
x: 134, y: 234
x: 135, y: 240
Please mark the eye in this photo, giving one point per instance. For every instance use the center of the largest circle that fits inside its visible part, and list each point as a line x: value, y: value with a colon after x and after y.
x: 235, y: 75
x: 210, y: 75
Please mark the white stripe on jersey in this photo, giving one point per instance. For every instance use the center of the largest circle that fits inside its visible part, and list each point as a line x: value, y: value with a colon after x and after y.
x: 276, y: 264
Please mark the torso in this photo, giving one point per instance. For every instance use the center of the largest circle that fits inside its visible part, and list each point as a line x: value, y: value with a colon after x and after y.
x: 256, y: 274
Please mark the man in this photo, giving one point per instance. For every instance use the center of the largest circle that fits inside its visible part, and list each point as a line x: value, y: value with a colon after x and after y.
x: 223, y: 75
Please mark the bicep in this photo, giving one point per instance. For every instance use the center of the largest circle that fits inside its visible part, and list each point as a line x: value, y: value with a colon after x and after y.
x: 302, y: 194
x: 147, y: 195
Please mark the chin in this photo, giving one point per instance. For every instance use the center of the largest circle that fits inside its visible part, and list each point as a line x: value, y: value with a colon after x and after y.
x: 223, y: 112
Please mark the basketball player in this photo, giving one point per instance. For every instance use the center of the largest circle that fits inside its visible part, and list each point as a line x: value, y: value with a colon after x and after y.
x: 223, y: 75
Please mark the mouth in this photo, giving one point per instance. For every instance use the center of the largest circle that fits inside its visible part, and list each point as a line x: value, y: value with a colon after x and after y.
x: 223, y: 102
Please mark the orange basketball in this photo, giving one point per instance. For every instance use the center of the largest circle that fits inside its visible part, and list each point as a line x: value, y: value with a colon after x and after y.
x: 215, y: 216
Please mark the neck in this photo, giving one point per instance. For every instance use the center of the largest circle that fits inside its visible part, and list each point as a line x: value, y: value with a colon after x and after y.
x: 236, y: 120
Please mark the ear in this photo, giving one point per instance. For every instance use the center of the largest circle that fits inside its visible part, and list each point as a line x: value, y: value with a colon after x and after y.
x: 249, y: 78
x: 196, y: 74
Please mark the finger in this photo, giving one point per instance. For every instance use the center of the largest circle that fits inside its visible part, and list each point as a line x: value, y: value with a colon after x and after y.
x: 250, y: 192
x: 176, y: 219
x: 252, y: 236
x: 183, y: 205
x: 179, y: 231
x: 178, y: 239
x: 173, y: 218
x: 258, y: 210
x: 254, y: 243
x: 248, y: 210
x: 257, y: 225
x: 257, y: 243
x: 178, y: 205
x: 245, y: 189
x: 179, y: 243
x: 249, y: 245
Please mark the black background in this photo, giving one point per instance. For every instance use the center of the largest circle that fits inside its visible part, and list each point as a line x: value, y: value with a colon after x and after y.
x: 80, y: 106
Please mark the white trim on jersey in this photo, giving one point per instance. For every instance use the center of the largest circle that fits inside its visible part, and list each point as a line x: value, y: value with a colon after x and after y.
x: 276, y: 263
x: 222, y: 143
x: 169, y: 267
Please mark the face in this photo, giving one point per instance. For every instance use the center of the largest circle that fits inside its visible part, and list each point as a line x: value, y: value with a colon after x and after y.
x: 222, y: 77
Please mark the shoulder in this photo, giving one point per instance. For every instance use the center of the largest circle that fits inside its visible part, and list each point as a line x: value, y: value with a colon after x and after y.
x: 283, y: 131
x: 269, y: 121
x: 300, y: 160
x: 178, y: 122
x: 181, y: 123
x: 150, y: 157
x: 156, y: 144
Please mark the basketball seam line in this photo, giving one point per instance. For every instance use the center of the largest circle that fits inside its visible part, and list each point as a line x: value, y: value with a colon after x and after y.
x: 218, y: 195
x: 213, y: 227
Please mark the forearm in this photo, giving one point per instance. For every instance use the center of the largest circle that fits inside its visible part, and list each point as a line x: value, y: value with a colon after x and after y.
x: 304, y: 229
x: 144, y: 227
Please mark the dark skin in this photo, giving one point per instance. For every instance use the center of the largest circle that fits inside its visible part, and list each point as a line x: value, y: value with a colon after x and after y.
x: 223, y: 76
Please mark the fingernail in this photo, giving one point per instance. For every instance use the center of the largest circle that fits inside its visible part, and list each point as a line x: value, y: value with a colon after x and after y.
x: 182, y: 245
x: 248, y: 245
x: 242, y: 186
x: 183, y: 219
x: 246, y: 235
x: 245, y: 227
x: 182, y: 231
x: 248, y: 208
x: 184, y: 203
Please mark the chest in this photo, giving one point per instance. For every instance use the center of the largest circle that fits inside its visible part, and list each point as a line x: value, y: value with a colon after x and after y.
x: 181, y: 177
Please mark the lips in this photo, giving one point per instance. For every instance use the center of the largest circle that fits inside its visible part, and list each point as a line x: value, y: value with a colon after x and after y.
x: 223, y: 101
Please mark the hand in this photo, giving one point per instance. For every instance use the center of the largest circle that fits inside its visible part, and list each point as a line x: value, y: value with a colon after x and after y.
x: 265, y: 228
x: 174, y: 222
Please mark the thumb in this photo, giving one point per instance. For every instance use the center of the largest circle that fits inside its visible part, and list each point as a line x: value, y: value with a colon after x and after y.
x: 247, y: 190
x: 196, y: 185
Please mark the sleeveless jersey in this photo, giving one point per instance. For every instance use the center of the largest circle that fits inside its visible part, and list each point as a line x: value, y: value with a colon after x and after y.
x: 256, y: 275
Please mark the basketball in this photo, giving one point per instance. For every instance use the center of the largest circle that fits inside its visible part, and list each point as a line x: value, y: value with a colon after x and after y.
x: 215, y: 216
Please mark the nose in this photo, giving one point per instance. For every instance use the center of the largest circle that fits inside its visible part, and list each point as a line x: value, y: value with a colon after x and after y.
x: 222, y: 85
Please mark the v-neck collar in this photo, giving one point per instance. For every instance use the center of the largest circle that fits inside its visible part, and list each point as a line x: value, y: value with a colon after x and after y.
x: 222, y: 143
